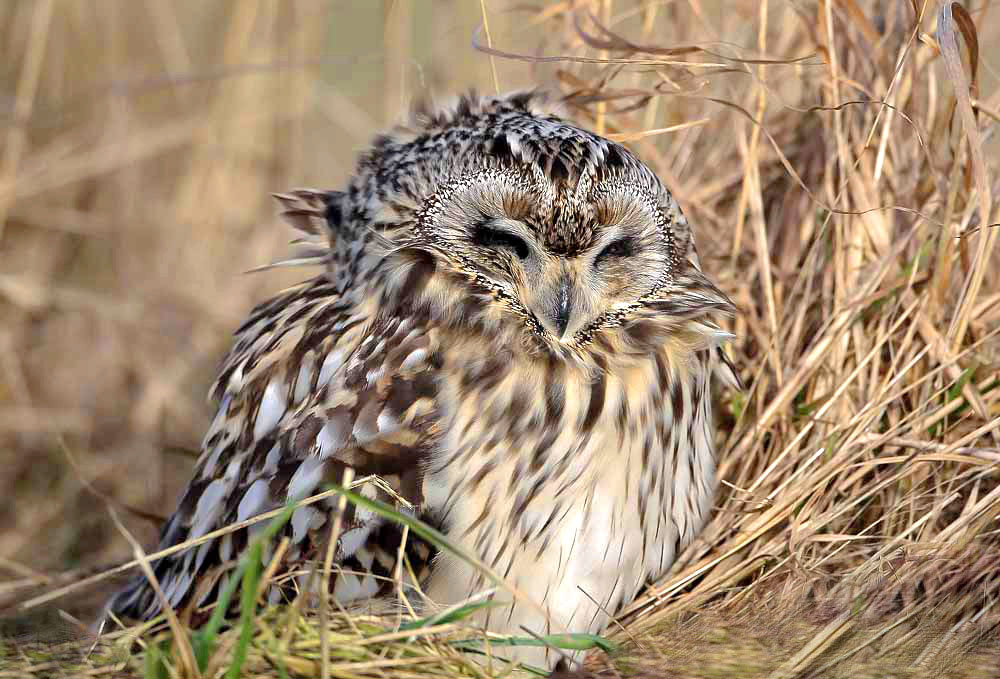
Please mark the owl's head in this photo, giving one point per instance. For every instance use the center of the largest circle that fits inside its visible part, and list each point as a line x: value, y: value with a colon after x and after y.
x: 498, y: 215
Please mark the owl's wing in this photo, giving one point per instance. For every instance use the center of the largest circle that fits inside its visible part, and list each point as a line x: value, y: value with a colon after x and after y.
x: 312, y: 386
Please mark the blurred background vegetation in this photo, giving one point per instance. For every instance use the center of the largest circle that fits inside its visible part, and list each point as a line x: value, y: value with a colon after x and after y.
x: 141, y: 140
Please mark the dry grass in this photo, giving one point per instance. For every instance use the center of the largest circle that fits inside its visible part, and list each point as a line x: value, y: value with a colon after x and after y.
x: 819, y: 148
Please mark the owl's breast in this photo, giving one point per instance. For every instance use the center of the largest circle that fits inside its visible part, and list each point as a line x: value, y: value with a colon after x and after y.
x: 575, y: 489
x: 562, y: 480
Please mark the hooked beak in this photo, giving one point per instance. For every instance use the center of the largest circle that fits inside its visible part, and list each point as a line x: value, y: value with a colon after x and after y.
x: 563, y: 306
x: 554, y: 304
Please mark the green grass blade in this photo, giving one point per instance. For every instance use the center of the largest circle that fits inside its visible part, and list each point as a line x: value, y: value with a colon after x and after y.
x: 205, y: 639
x: 155, y: 668
x: 248, y: 607
x: 568, y: 642
x: 449, y: 616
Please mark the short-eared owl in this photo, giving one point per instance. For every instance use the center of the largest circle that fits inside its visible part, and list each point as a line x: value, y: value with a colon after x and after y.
x: 513, y: 331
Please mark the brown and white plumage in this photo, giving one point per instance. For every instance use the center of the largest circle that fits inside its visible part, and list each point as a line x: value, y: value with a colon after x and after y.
x: 514, y: 332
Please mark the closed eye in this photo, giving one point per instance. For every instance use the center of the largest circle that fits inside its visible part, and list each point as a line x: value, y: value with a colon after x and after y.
x: 488, y: 237
x: 623, y: 247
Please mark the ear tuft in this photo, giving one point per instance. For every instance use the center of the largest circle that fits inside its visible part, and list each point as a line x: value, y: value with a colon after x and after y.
x: 314, y: 213
x: 318, y: 216
x: 334, y: 212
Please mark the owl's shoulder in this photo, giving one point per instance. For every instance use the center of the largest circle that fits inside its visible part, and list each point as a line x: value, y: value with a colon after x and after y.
x: 309, y: 356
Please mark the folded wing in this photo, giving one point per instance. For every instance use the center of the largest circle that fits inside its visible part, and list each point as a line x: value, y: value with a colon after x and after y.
x: 312, y: 386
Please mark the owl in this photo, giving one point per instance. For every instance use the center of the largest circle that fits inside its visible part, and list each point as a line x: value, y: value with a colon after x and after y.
x: 513, y: 333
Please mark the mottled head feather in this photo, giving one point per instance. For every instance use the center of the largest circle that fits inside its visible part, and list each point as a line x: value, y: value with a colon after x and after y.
x: 512, y: 163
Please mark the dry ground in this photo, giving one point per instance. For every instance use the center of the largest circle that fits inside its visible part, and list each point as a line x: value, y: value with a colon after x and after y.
x: 838, y: 187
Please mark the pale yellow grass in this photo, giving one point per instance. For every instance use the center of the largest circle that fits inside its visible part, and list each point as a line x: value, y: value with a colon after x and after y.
x: 843, y: 196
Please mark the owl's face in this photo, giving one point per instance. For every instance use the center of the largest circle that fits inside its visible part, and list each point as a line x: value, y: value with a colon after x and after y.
x: 521, y: 222
x: 557, y: 259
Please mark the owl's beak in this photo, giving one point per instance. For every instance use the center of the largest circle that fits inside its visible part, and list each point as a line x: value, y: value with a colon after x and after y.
x: 554, y: 303
x: 558, y: 300
x: 563, y: 306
